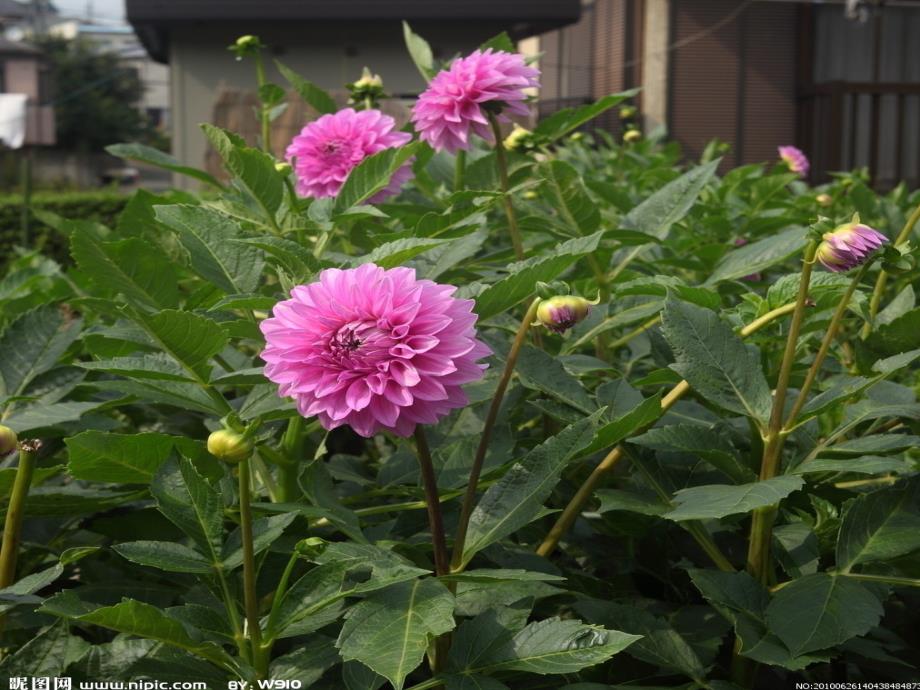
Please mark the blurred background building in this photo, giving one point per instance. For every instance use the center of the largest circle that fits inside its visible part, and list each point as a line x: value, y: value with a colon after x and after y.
x: 839, y: 79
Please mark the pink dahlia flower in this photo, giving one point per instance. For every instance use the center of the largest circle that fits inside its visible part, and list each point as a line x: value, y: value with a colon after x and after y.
x: 795, y: 160
x: 452, y: 107
x: 328, y: 148
x: 848, y: 246
x: 375, y: 349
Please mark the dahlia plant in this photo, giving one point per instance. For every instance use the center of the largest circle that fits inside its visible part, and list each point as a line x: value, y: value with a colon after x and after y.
x: 422, y: 405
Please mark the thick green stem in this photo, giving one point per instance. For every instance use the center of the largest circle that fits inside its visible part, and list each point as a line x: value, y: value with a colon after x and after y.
x: 829, y: 335
x: 586, y: 490
x: 15, y: 511
x: 879, y: 290
x: 433, y: 502
x: 264, y: 114
x: 250, y: 598
x: 292, y: 445
x: 469, y: 499
x: 502, y: 162
x: 758, y: 562
x: 459, y: 170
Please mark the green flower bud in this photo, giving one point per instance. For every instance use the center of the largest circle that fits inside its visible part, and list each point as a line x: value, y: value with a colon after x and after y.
x: 246, y: 45
x: 230, y: 446
x: 627, y: 112
x: 283, y: 167
x: 632, y: 135
x: 368, y: 81
x: 8, y: 441
x: 824, y: 200
x: 311, y: 547
x: 519, y: 139
x: 562, y: 312
x: 530, y: 195
x: 577, y: 136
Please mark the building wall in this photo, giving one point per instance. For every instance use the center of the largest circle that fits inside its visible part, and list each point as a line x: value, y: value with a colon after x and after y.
x: 329, y: 54
x: 733, y: 77
x: 21, y: 76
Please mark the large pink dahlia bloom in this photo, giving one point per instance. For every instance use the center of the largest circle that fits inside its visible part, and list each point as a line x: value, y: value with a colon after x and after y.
x: 452, y: 107
x: 328, y: 148
x: 375, y: 349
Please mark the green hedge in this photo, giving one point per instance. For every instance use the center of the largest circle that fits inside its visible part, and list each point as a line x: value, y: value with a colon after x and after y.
x: 100, y: 206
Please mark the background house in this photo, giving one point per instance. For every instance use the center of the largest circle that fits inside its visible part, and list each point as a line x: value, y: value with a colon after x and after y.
x: 327, y: 42
x: 756, y: 74
x: 22, y: 70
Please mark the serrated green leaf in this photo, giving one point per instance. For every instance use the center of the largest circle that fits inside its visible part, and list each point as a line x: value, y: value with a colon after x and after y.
x: 715, y: 361
x: 643, y: 414
x: 47, y: 654
x: 397, y: 252
x: 719, y: 500
x: 254, y: 169
x: 32, y: 345
x: 879, y: 526
x: 545, y: 373
x: 569, y: 198
x: 517, y: 498
x: 389, y: 631
x: 420, y: 52
x: 759, y: 256
x: 569, y: 119
x: 209, y: 236
x: 190, y: 339
x: 169, y: 556
x: 265, y: 531
x: 820, y: 611
x: 147, y: 154
x: 156, y: 366
x: 372, y: 175
x: 523, y: 275
x: 706, y: 443
x: 191, y: 504
x: 122, y: 458
x: 312, y: 95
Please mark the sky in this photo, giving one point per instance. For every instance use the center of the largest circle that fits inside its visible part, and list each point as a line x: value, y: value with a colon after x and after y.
x: 102, y: 9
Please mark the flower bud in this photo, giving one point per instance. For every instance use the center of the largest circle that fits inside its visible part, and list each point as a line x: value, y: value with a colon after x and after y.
x: 848, y: 246
x: 283, y: 168
x: 518, y: 140
x: 794, y: 159
x: 562, y: 312
x: 311, y: 547
x: 246, y: 45
x: 824, y: 200
x: 627, y: 112
x: 632, y: 135
x: 230, y: 446
x: 8, y: 441
x: 577, y: 136
x: 368, y: 81
x: 530, y: 195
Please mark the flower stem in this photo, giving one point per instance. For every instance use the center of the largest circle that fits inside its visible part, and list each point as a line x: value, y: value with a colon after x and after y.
x: 586, y: 490
x: 264, y: 114
x: 502, y: 162
x: 251, y: 601
x: 879, y: 289
x: 829, y: 335
x: 15, y: 510
x: 459, y: 170
x: 430, y: 484
x: 456, y: 562
x: 292, y: 445
x: 280, y: 591
x: 758, y: 561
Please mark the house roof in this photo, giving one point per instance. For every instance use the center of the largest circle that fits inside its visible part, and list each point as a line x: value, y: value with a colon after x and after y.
x: 10, y: 9
x: 8, y: 47
x: 152, y: 18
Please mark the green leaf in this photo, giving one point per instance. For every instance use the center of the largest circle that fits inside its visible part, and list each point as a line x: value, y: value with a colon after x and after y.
x: 208, y: 237
x: 312, y: 95
x: 889, y: 365
x: 499, y: 575
x: 189, y: 338
x: 265, y: 531
x: 517, y: 498
x: 31, y: 345
x: 821, y: 611
x: 667, y: 206
x: 420, y: 52
x: 157, y: 366
x: 253, y: 168
x: 372, y: 175
x: 135, y: 618
x: 147, y: 154
x: 879, y: 526
x: 864, y: 464
x: 306, y: 664
x: 554, y: 646
x: 523, y: 275
x: 545, y: 373
x: 709, y: 444
x: 758, y: 256
x: 389, y: 631
x: 643, y: 414
x: 570, y: 198
x: 899, y: 335
x: 397, y: 252
x: 615, y: 499
x: 132, y: 267
x: 569, y: 119
x: 169, y: 556
x: 47, y: 654
x: 21, y: 591
x: 191, y: 504
x: 46, y: 416
x: 718, y: 500
x: 299, y: 262
x: 715, y: 361
x: 122, y: 458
